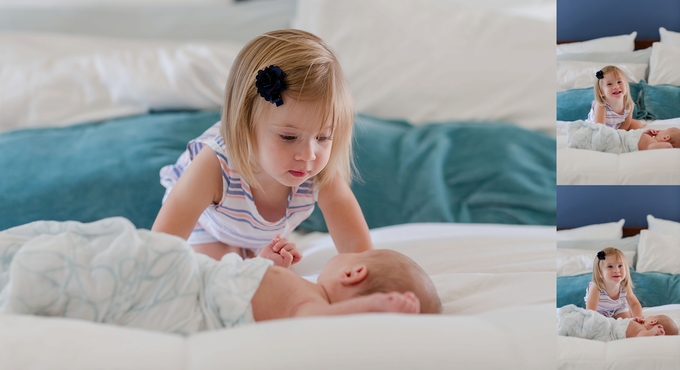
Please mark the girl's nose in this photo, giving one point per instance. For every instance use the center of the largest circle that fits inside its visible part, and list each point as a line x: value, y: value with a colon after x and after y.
x: 306, y: 152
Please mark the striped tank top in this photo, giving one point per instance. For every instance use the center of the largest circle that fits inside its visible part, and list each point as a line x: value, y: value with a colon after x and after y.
x: 607, y: 306
x: 612, y: 119
x: 235, y: 220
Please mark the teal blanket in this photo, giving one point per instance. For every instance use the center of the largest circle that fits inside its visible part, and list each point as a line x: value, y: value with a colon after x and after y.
x: 651, y: 288
x: 451, y: 172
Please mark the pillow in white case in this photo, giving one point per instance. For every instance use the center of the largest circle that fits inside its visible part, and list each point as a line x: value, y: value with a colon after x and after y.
x: 580, y: 261
x: 658, y: 225
x: 663, y: 64
x: 432, y: 61
x: 619, y: 43
x: 609, y: 230
x: 580, y: 74
x: 658, y: 252
x: 669, y: 37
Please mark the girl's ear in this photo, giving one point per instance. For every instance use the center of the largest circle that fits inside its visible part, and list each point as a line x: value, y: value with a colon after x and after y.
x: 354, y: 276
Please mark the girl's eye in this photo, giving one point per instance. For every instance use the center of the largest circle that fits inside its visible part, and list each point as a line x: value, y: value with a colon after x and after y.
x: 323, y: 138
x: 287, y: 137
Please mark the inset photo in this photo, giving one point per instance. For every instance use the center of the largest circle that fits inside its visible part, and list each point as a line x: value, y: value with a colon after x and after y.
x: 618, y: 277
x: 618, y: 87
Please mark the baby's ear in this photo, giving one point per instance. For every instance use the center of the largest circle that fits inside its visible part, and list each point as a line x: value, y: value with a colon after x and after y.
x: 353, y: 276
x: 665, y: 138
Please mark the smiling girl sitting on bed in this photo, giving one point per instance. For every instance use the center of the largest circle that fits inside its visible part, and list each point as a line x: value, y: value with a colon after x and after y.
x: 613, y: 105
x: 611, y: 291
x: 283, y: 143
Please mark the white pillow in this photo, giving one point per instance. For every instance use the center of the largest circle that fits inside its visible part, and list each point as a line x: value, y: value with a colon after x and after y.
x: 663, y: 64
x: 600, y: 45
x: 580, y: 261
x: 609, y: 230
x: 658, y: 252
x: 661, y: 226
x: 432, y: 61
x: 669, y: 37
x: 580, y: 74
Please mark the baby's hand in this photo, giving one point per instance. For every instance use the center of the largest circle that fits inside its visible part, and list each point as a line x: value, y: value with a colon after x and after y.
x: 281, y: 251
x: 395, y: 302
x: 658, y: 330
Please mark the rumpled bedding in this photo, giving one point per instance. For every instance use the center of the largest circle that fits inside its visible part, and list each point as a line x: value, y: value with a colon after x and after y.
x: 110, y: 272
x: 578, y: 322
x: 595, y: 136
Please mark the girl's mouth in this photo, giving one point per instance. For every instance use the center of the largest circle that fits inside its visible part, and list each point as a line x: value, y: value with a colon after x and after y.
x: 298, y: 173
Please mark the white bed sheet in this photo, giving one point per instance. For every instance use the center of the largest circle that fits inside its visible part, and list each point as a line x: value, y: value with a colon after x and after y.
x: 496, y: 282
x: 653, y: 353
x: 648, y: 167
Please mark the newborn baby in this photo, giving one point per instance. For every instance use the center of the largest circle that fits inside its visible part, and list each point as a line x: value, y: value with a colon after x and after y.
x: 595, y: 136
x: 578, y: 322
x: 110, y: 272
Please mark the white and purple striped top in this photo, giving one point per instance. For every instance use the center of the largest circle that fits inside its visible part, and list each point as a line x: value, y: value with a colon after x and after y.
x: 607, y: 306
x: 235, y: 220
x: 612, y: 119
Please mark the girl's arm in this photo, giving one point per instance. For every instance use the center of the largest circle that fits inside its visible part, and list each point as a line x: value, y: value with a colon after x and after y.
x: 634, y: 305
x: 344, y: 218
x: 198, y: 187
x: 626, y: 124
x: 593, y: 298
x: 599, y: 113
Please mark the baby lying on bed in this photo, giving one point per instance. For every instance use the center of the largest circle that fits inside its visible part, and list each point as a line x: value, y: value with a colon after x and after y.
x: 110, y: 272
x: 578, y: 322
x: 592, y: 136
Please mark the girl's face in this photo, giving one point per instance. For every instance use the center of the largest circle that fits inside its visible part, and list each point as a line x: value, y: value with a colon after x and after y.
x: 613, y: 86
x: 289, y: 147
x: 613, y: 269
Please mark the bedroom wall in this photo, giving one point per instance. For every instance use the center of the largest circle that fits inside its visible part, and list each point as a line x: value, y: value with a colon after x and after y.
x: 588, y: 19
x: 585, y: 205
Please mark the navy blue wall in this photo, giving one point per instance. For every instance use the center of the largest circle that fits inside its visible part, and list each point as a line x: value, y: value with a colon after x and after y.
x: 585, y: 205
x: 588, y: 19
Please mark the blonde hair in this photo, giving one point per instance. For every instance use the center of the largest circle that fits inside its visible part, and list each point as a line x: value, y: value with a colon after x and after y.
x: 597, y: 270
x: 599, y: 95
x: 313, y: 73
x: 390, y: 271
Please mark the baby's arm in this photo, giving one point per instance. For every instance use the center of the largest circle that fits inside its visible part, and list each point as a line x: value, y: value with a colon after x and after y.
x: 345, y: 221
x: 281, y: 251
x: 647, y: 142
x: 593, y: 298
x: 376, y: 302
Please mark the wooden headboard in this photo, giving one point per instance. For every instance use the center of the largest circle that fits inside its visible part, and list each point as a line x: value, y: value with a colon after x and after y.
x: 627, y: 230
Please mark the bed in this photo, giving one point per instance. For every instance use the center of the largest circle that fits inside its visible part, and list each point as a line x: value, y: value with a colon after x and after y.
x: 651, y: 251
x: 654, y: 85
x: 91, y: 114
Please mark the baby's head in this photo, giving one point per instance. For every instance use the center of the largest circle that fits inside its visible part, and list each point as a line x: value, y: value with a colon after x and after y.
x: 670, y: 135
x: 669, y: 326
x: 312, y: 74
x: 610, y: 265
x: 349, y: 275
x: 606, y: 85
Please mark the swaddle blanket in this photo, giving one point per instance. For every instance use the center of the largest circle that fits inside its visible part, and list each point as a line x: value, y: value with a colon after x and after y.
x: 110, y: 272
x: 595, y: 136
x: 578, y: 322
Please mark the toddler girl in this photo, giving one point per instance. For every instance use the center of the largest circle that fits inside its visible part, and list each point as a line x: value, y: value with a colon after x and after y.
x: 283, y: 143
x: 613, y: 104
x: 611, y: 291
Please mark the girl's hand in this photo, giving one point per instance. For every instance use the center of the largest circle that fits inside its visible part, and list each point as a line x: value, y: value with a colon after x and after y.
x: 281, y: 251
x: 395, y: 302
x: 652, y: 132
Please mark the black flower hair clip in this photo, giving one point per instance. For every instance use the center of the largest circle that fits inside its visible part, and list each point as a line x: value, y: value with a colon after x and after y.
x: 599, y: 75
x: 270, y: 82
x: 600, y: 255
